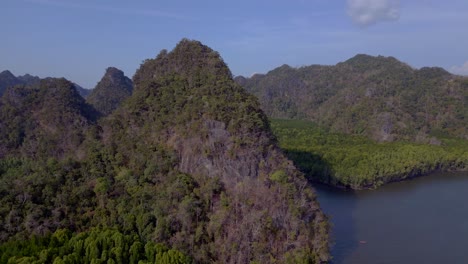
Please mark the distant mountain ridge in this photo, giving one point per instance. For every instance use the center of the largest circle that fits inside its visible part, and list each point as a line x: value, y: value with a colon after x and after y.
x: 82, y: 91
x: 380, y: 97
x: 7, y: 79
x: 29, y: 79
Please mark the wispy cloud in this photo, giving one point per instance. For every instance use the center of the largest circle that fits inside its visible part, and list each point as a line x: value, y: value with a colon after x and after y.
x: 460, y: 70
x: 109, y: 9
x: 368, y: 12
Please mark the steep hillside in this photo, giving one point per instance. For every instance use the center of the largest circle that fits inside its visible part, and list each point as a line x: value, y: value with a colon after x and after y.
x: 44, y: 120
x: 379, y: 97
x: 187, y: 166
x: 109, y: 93
x: 187, y: 109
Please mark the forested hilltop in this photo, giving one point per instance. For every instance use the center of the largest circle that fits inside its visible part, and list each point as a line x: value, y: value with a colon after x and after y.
x: 185, y: 170
x: 111, y: 91
x: 379, y: 97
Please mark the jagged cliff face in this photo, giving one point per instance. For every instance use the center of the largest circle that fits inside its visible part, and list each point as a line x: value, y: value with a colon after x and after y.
x: 380, y: 97
x: 48, y: 119
x: 109, y: 93
x: 186, y: 103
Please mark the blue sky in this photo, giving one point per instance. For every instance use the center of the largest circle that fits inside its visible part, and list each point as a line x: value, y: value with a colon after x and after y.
x: 79, y: 39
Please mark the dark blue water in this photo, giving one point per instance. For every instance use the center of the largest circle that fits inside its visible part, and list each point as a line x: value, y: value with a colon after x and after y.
x: 424, y: 220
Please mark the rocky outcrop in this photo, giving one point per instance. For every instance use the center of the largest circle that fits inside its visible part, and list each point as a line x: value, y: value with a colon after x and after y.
x: 215, y: 154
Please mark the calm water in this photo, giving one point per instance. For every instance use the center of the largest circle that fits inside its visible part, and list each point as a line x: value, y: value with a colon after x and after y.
x: 424, y: 220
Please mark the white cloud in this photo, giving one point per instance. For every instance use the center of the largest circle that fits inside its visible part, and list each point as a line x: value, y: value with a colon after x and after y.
x: 368, y: 12
x: 460, y: 70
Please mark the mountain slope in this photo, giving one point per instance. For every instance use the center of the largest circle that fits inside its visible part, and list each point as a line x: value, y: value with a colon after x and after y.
x: 112, y: 89
x: 186, y: 105
x: 188, y: 162
x: 379, y: 97
x: 46, y: 120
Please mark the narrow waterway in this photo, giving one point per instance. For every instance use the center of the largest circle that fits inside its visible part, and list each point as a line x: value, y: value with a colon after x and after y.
x: 424, y: 220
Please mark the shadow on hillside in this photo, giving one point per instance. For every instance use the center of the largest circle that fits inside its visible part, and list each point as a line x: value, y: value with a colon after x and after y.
x: 312, y: 165
x: 338, y: 204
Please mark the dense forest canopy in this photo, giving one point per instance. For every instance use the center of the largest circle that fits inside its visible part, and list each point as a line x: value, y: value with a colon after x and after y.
x: 185, y: 169
x: 379, y: 97
x: 356, y: 162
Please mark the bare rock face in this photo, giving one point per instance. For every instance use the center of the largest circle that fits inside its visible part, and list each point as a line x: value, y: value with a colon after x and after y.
x: 215, y: 154
x: 384, y: 128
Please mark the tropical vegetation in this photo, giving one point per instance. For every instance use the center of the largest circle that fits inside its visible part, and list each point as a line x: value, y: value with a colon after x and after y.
x: 356, y: 162
x: 377, y: 97
x: 184, y: 169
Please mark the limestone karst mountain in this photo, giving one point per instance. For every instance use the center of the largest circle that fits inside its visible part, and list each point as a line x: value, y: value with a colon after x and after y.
x: 186, y: 102
x: 188, y: 163
x: 379, y: 97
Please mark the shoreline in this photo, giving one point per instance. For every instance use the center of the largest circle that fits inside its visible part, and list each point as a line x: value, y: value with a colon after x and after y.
x: 408, y: 177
